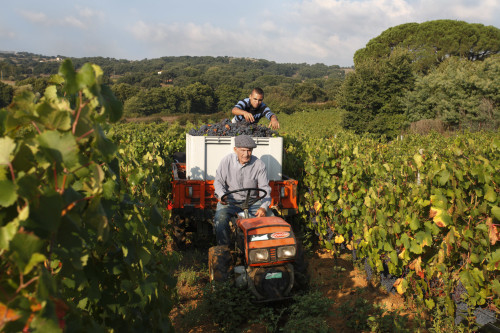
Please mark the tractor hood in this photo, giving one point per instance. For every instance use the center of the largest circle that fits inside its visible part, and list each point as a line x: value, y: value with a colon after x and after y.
x: 267, y: 240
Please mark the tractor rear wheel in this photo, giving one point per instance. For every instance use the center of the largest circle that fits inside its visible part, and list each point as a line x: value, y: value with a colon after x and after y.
x: 178, y: 224
x: 219, y: 263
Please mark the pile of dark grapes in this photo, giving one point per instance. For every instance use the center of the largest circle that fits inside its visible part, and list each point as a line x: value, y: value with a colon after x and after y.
x: 227, y: 128
x: 387, y: 281
x: 368, y: 270
x: 483, y: 316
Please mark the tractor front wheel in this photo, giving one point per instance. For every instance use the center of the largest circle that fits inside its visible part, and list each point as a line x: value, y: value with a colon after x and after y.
x: 219, y: 263
x: 300, y: 269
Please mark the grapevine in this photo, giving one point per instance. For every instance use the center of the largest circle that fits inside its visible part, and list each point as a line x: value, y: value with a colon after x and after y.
x: 80, y: 243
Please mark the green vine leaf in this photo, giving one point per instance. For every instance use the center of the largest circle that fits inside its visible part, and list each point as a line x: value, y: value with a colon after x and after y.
x: 8, y: 194
x: 60, y: 147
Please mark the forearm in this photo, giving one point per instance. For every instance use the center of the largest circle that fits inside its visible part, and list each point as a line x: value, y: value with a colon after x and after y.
x: 245, y: 114
x: 238, y: 112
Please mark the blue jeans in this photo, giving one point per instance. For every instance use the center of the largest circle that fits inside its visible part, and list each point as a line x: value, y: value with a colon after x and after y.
x: 223, y: 214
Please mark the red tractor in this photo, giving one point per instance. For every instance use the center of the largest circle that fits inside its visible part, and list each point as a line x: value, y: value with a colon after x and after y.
x: 264, y: 254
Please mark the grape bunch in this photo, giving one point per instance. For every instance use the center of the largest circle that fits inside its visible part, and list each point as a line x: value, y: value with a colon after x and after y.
x: 329, y: 234
x: 387, y: 281
x: 226, y: 128
x: 457, y: 293
x: 483, y: 316
x: 368, y: 270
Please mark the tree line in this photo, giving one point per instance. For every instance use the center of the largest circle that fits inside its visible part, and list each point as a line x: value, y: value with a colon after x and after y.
x: 173, y: 85
x: 442, y: 70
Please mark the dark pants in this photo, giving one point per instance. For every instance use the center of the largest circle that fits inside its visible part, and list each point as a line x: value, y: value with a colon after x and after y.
x: 223, y: 215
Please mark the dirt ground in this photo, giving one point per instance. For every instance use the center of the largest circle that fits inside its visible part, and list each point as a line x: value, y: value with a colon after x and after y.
x: 338, y: 279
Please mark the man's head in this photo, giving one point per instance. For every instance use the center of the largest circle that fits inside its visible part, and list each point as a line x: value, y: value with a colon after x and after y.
x: 256, y: 97
x: 243, y: 147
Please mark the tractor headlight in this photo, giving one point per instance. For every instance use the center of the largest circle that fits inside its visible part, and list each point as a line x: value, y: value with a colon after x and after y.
x: 286, y: 252
x: 259, y: 255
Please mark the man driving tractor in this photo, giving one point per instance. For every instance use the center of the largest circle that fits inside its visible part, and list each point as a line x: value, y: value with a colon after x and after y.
x: 239, y: 170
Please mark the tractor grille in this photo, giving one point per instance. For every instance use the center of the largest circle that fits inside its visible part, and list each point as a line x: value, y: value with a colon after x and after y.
x: 272, y: 253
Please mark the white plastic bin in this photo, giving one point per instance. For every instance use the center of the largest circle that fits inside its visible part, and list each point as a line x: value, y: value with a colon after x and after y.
x: 203, y: 155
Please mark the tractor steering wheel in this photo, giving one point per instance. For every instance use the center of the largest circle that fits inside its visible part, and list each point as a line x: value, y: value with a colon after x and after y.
x: 245, y: 204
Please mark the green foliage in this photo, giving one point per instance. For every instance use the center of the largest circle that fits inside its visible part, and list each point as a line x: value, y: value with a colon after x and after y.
x: 6, y: 93
x: 458, y: 92
x: 38, y: 85
x: 229, y: 306
x: 422, y: 71
x: 280, y: 101
x: 227, y: 96
x: 200, y: 84
x: 312, y: 123
x: 195, y: 98
x: 372, y: 95
x: 308, y: 92
x: 154, y: 101
x: 426, y: 207
x: 9, y: 69
x: 80, y: 232
x: 198, y: 98
x: 313, y: 71
x: 307, y: 313
x: 432, y: 42
x: 124, y: 91
x: 232, y: 308
x: 188, y: 277
x: 360, y: 315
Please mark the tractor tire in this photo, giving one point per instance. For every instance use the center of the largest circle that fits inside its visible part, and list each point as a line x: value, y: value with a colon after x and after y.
x: 300, y: 269
x: 220, y: 263
x: 178, y: 224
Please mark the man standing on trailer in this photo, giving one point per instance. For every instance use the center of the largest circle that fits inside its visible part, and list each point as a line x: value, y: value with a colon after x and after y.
x: 236, y: 171
x: 251, y: 109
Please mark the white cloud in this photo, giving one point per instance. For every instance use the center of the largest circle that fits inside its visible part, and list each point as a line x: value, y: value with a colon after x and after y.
x: 480, y: 11
x: 35, y: 17
x: 6, y: 33
x: 89, y: 12
x: 327, y: 31
x: 82, y: 20
x: 72, y: 22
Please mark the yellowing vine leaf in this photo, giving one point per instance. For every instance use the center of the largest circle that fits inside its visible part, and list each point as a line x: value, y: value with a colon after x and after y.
x: 416, y: 265
x: 401, y: 286
x: 493, y: 231
x: 7, y: 146
x: 339, y: 239
x: 418, y: 160
x: 439, y: 216
x: 317, y: 206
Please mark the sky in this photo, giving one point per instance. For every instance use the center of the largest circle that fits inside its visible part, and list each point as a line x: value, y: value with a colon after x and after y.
x: 284, y: 31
